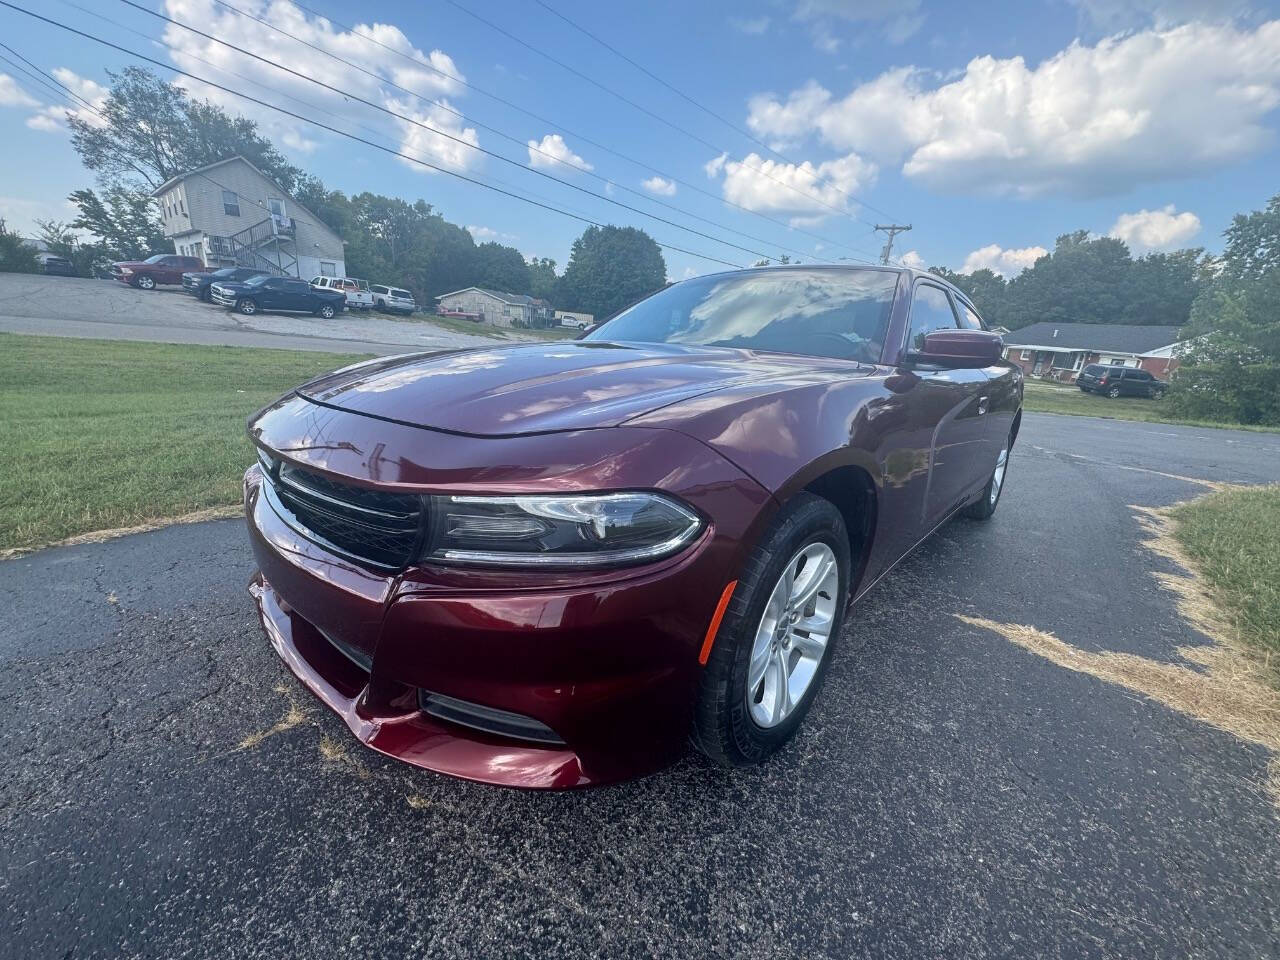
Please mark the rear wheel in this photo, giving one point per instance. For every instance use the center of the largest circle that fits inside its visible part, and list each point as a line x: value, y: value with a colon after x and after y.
x: 145, y: 282
x: 1157, y: 393
x: 1113, y: 393
x: 774, y: 644
x: 983, y: 508
x: 247, y: 306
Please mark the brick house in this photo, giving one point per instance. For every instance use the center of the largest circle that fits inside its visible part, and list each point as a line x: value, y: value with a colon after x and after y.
x: 1059, y: 351
x: 496, y: 307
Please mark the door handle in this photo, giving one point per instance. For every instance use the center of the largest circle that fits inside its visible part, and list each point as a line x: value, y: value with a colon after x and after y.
x: 983, y: 404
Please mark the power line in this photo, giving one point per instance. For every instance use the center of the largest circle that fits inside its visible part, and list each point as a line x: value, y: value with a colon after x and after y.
x: 496, y: 98
x: 441, y: 133
x: 684, y: 96
x: 650, y: 113
x: 343, y: 133
x: 513, y: 139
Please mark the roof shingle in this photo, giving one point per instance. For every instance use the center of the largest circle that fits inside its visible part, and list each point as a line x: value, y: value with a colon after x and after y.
x: 1095, y: 337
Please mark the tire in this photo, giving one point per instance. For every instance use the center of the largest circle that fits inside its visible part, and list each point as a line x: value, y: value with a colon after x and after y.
x: 726, y: 727
x: 247, y: 306
x: 1113, y: 393
x: 985, y: 507
x: 1157, y: 394
x: 326, y: 312
x: 145, y: 282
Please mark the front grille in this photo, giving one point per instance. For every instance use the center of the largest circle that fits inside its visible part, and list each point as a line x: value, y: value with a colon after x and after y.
x: 375, y: 526
x: 503, y: 723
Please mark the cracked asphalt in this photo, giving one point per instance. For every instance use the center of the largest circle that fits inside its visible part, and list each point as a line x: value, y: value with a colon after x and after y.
x: 951, y: 794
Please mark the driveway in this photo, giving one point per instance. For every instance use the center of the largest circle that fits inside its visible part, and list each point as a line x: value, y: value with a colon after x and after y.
x: 107, y: 309
x: 168, y: 790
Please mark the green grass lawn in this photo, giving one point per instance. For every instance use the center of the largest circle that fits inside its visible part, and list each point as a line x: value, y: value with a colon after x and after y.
x: 1046, y: 398
x: 101, y: 434
x: 497, y: 333
x: 1233, y: 537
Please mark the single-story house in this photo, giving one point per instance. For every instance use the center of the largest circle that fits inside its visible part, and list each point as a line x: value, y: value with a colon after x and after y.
x: 1059, y: 351
x: 496, y: 307
x: 231, y: 214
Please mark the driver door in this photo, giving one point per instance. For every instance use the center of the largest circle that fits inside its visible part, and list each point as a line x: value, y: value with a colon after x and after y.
x: 951, y: 409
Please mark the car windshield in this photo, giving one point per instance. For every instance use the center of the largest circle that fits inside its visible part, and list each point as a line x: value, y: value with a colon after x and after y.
x: 838, y: 313
x: 156, y: 258
x: 224, y: 272
x: 254, y: 281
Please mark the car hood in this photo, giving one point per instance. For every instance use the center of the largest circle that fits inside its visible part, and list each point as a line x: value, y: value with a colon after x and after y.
x: 542, y: 388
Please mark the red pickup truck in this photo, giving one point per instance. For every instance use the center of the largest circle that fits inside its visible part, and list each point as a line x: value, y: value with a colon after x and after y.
x: 161, y: 268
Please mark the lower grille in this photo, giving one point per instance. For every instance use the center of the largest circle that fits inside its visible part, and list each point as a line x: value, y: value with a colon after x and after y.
x: 502, y: 723
x: 377, y: 527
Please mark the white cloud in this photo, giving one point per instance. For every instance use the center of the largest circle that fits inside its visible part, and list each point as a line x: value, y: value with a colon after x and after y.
x: 752, y: 26
x: 809, y: 191
x: 12, y: 95
x: 1161, y: 229
x: 1113, y: 16
x: 430, y: 74
x: 483, y: 234
x: 1088, y: 120
x: 898, y: 18
x: 1007, y: 263
x: 554, y: 153
x: 660, y: 185
x: 912, y: 258
x: 53, y: 119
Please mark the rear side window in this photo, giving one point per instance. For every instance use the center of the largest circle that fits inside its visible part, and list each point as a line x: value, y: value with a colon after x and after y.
x: 296, y: 286
x: 930, y: 311
x: 968, y: 318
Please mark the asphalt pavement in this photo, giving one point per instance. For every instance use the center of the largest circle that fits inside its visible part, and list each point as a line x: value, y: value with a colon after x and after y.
x: 110, y: 310
x: 167, y: 790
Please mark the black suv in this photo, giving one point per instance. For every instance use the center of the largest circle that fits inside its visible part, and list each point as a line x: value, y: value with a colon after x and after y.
x: 198, y: 284
x: 1116, y: 381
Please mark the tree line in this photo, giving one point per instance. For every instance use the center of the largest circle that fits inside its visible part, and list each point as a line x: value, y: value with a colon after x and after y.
x: 151, y: 131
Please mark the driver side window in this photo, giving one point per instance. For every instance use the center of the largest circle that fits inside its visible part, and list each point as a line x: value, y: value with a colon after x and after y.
x: 930, y: 311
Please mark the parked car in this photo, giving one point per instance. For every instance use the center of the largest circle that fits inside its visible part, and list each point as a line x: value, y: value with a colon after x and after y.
x: 199, y: 284
x: 56, y: 266
x: 357, y: 292
x: 1117, y: 381
x: 277, y: 293
x: 549, y: 568
x: 392, y: 298
x: 161, y: 268
x: 577, y: 323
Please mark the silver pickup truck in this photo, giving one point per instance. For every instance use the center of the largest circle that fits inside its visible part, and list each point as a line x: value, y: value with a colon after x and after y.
x: 357, y: 291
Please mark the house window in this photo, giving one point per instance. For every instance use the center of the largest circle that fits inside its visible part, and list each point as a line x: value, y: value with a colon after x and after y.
x: 1026, y: 355
x: 506, y: 311
x: 182, y: 204
x: 1079, y: 362
x: 230, y: 203
x: 328, y: 268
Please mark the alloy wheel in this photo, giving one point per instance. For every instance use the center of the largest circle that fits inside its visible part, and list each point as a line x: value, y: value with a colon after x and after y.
x: 792, y: 635
x: 146, y: 283
x: 997, y: 478
x: 248, y: 307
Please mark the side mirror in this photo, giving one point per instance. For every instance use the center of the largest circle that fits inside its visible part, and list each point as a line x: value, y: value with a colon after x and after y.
x: 959, y: 349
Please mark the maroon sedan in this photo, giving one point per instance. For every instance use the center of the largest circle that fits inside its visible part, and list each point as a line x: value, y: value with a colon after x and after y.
x: 553, y: 565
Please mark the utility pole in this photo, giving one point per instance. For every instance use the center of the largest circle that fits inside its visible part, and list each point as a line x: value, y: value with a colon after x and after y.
x: 892, y: 229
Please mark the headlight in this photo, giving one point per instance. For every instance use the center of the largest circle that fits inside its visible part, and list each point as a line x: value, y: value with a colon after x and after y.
x: 126, y: 271
x: 579, y: 530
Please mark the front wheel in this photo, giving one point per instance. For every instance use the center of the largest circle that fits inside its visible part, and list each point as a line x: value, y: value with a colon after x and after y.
x: 774, y: 644
x: 1157, y: 394
x: 145, y: 282
x: 246, y: 306
x: 983, y: 508
x: 326, y: 312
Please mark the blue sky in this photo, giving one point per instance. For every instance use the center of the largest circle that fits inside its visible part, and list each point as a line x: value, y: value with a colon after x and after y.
x: 991, y: 130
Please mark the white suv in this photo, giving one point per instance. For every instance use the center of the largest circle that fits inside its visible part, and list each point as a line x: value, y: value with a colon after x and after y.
x: 392, y: 298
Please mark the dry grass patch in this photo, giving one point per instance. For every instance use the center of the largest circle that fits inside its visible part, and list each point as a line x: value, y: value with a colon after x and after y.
x: 1229, y: 684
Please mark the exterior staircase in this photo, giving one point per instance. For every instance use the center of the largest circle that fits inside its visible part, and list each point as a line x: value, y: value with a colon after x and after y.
x: 267, y: 245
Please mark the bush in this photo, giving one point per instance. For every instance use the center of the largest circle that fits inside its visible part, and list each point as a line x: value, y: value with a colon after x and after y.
x: 15, y: 255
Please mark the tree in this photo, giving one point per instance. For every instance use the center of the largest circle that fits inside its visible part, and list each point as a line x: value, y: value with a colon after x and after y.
x: 502, y: 268
x: 126, y: 222
x: 153, y: 132
x: 609, y: 268
x: 16, y: 255
x: 984, y: 287
x: 542, y: 278
x: 1230, y: 367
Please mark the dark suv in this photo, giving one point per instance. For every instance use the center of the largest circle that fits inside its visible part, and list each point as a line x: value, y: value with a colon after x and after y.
x: 1117, y: 381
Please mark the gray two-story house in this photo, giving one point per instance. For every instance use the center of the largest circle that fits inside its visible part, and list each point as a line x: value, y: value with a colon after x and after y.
x: 232, y: 214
